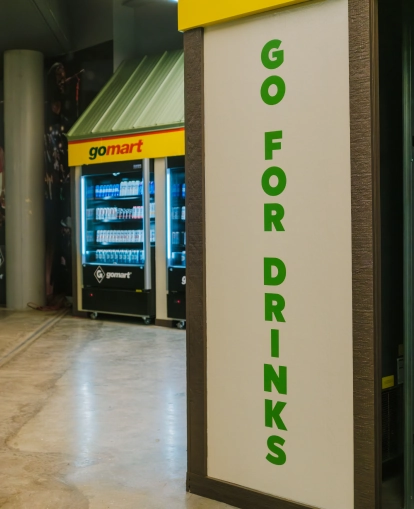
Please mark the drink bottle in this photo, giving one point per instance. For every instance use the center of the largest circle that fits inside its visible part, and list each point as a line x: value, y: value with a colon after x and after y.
x: 183, y: 191
x: 183, y: 213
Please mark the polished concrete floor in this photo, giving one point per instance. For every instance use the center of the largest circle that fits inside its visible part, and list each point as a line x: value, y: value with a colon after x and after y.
x: 93, y: 415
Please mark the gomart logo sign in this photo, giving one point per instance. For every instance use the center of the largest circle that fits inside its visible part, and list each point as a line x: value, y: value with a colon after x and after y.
x: 113, y: 150
x: 101, y: 275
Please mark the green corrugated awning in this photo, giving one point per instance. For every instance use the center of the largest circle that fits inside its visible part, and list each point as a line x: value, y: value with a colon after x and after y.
x: 144, y: 95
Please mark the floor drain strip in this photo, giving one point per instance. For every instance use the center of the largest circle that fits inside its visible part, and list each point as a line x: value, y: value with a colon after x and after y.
x: 32, y: 337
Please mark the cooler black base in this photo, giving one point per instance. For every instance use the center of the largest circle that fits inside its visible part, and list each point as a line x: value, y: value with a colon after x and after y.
x: 123, y: 302
x: 176, y: 306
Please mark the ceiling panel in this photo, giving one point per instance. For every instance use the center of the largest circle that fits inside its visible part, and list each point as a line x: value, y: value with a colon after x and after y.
x: 23, y: 26
x: 54, y: 27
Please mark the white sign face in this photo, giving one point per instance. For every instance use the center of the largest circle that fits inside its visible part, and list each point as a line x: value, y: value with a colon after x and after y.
x: 279, y: 265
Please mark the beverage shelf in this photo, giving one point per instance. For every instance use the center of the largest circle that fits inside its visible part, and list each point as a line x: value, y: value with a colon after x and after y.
x: 117, y: 198
x: 98, y: 245
x: 106, y: 264
x: 100, y: 221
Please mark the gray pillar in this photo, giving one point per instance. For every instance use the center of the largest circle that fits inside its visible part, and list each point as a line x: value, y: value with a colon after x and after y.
x: 24, y: 168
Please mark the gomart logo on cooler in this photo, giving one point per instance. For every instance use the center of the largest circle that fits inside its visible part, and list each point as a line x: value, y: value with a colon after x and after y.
x: 100, y: 275
x: 112, y: 150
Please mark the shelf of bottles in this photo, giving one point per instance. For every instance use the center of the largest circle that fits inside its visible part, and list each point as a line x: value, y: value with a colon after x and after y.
x: 176, y: 220
x: 113, y: 219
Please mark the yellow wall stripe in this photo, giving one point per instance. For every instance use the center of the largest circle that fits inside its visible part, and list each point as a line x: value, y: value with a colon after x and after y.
x: 198, y: 13
x: 127, y: 148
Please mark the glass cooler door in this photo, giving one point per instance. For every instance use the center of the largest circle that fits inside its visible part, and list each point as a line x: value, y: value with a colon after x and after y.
x: 176, y: 218
x: 115, y: 223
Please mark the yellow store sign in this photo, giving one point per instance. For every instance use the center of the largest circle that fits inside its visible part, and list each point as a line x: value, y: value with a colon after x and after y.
x: 198, y: 13
x: 127, y: 148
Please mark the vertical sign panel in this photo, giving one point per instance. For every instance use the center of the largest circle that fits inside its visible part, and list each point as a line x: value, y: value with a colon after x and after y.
x: 278, y: 233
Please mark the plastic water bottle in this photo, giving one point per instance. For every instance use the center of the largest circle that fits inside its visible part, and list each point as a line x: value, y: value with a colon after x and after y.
x: 183, y: 191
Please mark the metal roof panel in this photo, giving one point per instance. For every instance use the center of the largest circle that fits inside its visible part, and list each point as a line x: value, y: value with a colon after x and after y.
x: 143, y: 95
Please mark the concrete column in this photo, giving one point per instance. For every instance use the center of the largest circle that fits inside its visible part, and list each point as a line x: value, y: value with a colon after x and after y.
x: 24, y: 128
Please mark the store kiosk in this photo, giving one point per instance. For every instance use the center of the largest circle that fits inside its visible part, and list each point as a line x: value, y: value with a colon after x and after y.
x: 118, y: 151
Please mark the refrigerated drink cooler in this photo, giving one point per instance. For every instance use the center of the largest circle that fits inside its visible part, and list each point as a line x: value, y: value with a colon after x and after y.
x: 118, y: 239
x: 176, y: 241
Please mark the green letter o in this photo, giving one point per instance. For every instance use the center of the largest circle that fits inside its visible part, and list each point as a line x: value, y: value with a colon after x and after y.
x: 272, y: 100
x: 274, y: 171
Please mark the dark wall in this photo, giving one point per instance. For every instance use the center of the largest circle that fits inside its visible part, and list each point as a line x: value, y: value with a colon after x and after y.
x: 73, y: 81
x: 156, y: 29
x: 391, y: 110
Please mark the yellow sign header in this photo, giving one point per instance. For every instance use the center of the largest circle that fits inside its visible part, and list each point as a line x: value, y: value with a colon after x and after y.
x: 127, y: 148
x: 201, y: 13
